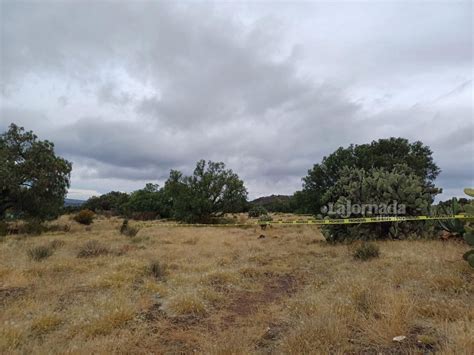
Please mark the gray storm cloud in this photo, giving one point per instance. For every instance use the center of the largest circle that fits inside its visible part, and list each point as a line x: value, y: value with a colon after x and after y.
x: 128, y: 91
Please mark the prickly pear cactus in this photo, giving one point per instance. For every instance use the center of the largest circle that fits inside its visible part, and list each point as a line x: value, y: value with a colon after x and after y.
x: 469, y: 230
x: 377, y: 187
x: 454, y: 226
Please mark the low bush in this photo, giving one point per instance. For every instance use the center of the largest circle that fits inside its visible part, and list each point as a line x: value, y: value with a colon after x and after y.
x: 257, y: 211
x: 33, y: 227
x: 265, y: 218
x: 84, y: 217
x: 41, y: 252
x: 127, y: 230
x: 366, y: 251
x: 91, y: 249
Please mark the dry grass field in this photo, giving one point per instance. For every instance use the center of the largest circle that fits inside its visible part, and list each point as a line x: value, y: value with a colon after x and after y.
x: 227, y: 291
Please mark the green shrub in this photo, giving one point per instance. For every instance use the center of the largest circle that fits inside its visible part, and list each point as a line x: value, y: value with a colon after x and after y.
x: 469, y: 230
x: 91, y: 249
x: 265, y: 218
x: 145, y: 216
x: 41, y: 252
x: 84, y: 217
x: 366, y: 251
x: 257, y: 211
x: 449, y: 208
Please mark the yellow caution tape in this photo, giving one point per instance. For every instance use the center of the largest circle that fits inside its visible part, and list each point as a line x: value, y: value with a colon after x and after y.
x: 319, y: 221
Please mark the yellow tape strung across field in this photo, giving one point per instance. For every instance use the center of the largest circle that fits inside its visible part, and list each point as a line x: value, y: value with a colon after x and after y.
x: 319, y: 221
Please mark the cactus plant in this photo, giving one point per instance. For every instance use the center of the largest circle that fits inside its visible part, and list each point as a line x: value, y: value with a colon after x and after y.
x: 454, y: 226
x: 469, y: 230
x: 377, y: 187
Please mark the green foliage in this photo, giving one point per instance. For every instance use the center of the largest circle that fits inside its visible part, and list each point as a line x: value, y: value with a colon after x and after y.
x: 275, y: 203
x: 113, y: 201
x: 468, y: 254
x: 33, y: 227
x: 33, y: 180
x: 146, y: 204
x: 366, y: 251
x: 470, y: 260
x: 265, y: 218
x: 84, y: 217
x: 91, y: 249
x: 374, y: 187
x: 469, y: 236
x: 203, y: 197
x: 448, y: 208
x: 257, y: 211
x: 127, y: 230
x: 41, y: 252
x: 210, y: 192
x: 469, y: 230
x: 384, y: 153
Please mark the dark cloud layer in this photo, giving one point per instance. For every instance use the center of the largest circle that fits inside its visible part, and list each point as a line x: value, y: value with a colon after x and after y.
x: 130, y: 90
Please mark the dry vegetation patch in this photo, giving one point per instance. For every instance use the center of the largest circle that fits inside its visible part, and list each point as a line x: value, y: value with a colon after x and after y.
x: 216, y: 290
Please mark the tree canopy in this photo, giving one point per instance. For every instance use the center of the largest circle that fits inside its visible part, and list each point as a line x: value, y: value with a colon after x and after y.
x: 383, y: 153
x: 113, y: 201
x: 210, y: 192
x: 33, y: 179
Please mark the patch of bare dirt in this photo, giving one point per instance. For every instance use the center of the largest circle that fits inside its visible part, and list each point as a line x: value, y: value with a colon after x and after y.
x: 245, y: 303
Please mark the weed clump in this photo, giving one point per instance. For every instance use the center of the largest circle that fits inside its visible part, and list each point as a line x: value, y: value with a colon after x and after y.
x: 367, y: 251
x: 127, y: 230
x: 56, y: 243
x: 85, y: 217
x: 91, y: 249
x: 41, y: 252
x: 156, y: 269
x: 257, y: 211
x: 33, y: 227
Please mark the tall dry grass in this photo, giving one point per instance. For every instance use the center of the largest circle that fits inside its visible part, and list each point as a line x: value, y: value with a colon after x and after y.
x: 224, y: 291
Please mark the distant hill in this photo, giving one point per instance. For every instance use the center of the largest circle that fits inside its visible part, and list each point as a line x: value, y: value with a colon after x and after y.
x: 271, y: 199
x: 274, y: 203
x: 70, y: 202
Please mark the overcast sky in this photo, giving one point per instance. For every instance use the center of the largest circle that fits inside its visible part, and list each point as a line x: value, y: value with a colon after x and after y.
x: 129, y: 90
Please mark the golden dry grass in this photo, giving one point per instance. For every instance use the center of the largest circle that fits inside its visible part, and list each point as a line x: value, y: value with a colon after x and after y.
x: 225, y: 291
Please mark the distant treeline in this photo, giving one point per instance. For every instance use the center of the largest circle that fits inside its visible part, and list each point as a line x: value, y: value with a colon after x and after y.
x: 34, y: 182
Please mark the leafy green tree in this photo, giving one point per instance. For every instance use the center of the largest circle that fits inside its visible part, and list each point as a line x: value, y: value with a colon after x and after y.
x: 113, y: 201
x: 33, y: 180
x: 146, y: 203
x: 384, y: 153
x: 210, y: 192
